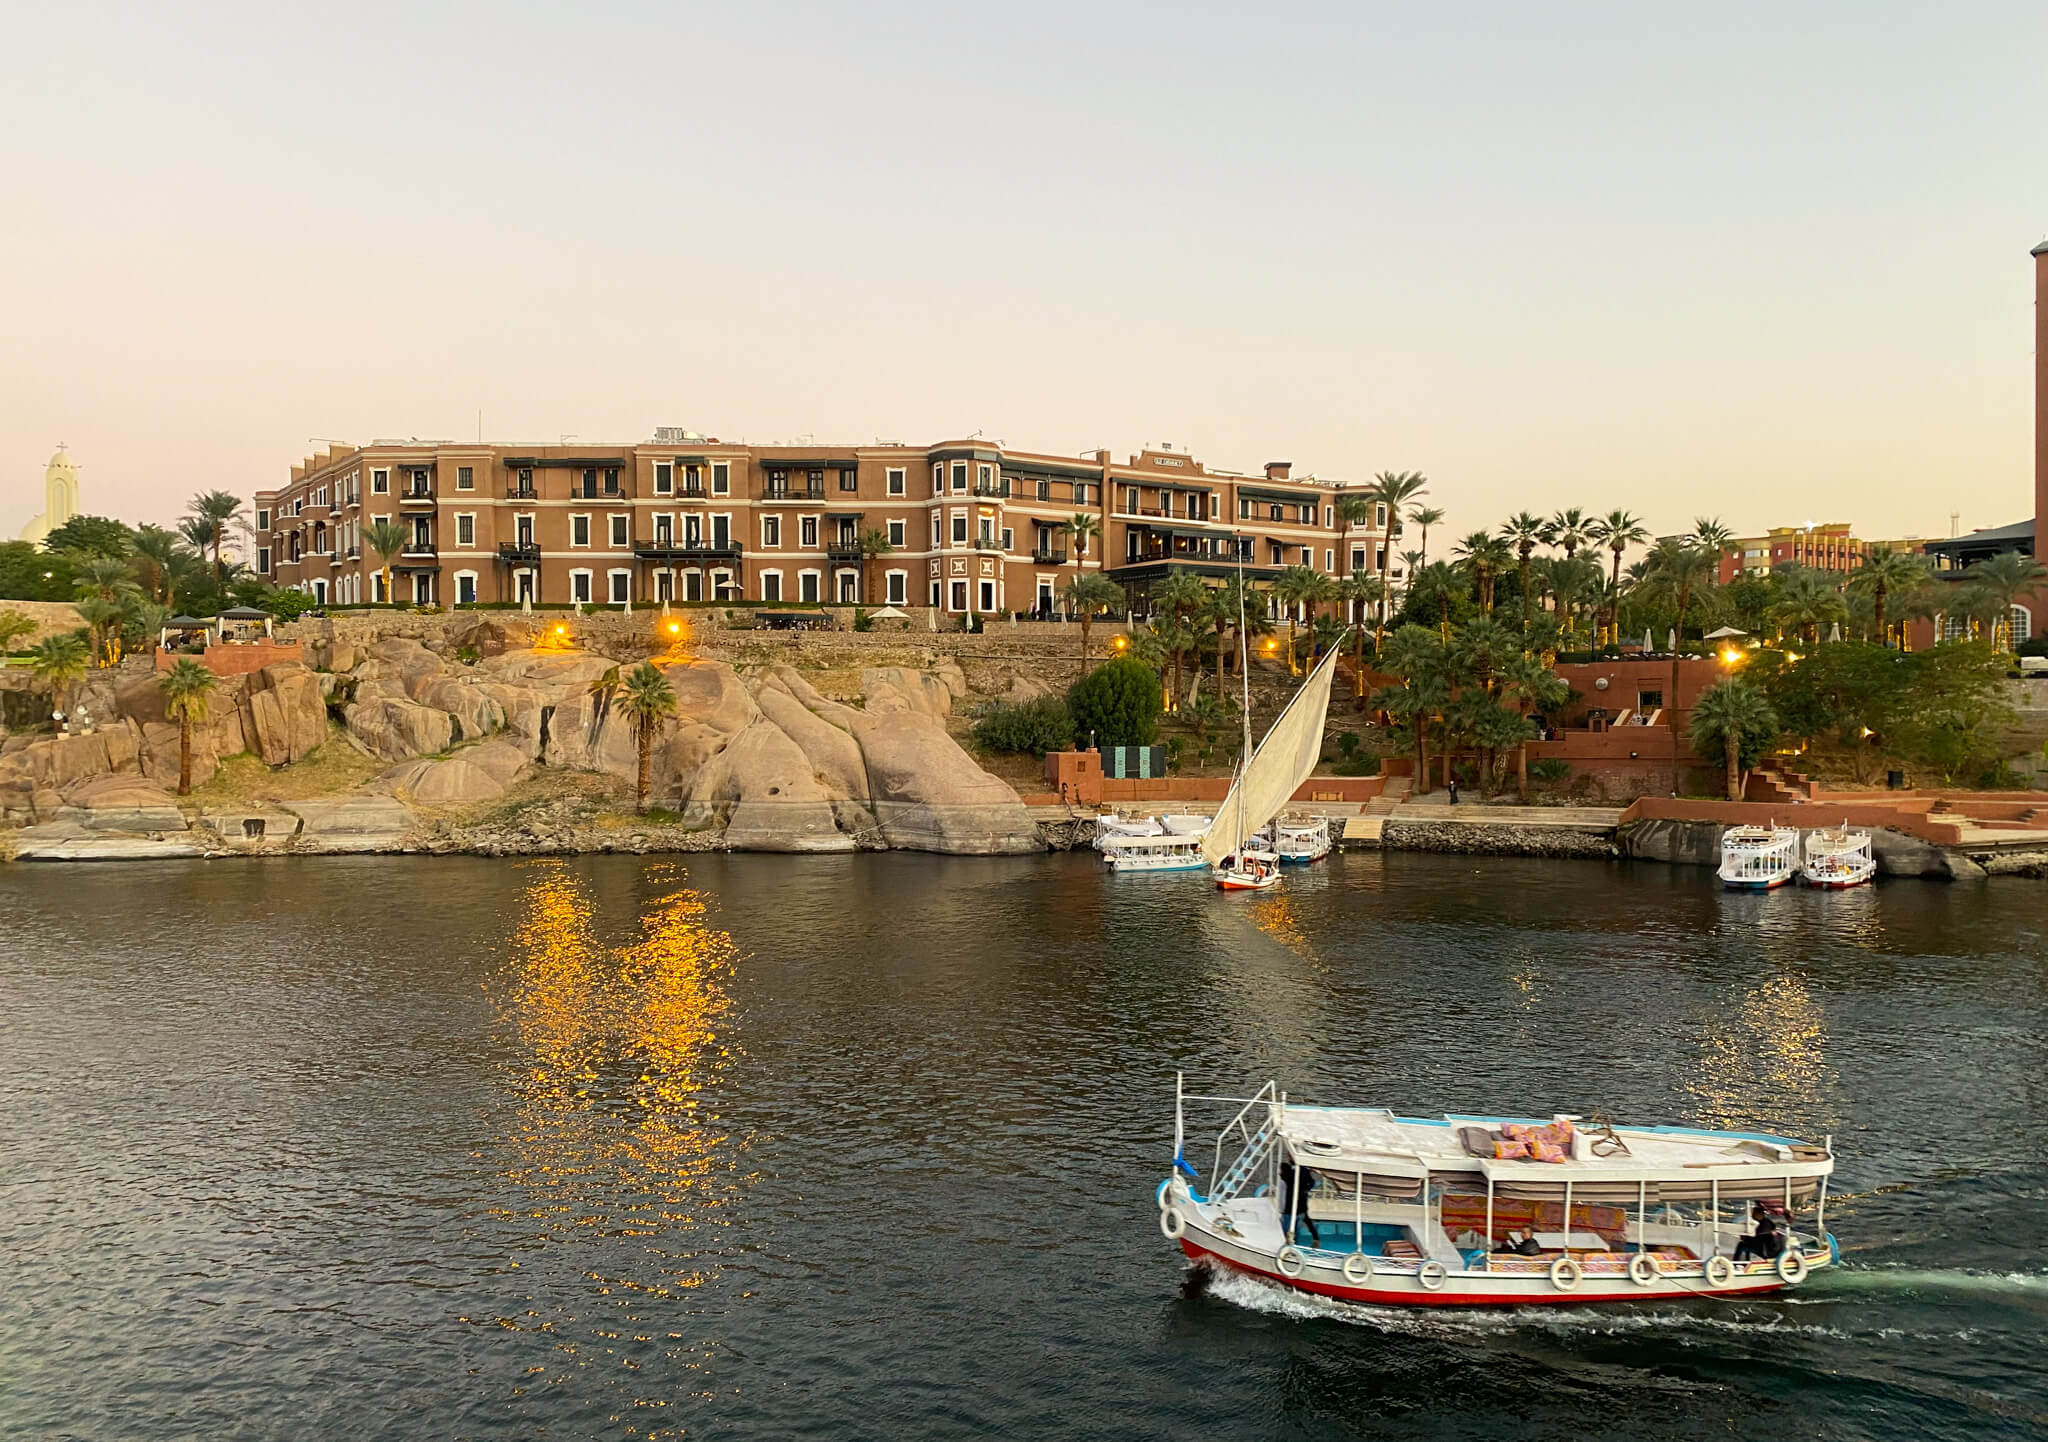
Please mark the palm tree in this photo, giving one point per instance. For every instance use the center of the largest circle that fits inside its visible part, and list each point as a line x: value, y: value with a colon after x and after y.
x: 1425, y: 517
x: 1618, y: 530
x: 387, y: 538
x: 1352, y: 510
x: 1528, y: 685
x: 2006, y: 577
x: 1182, y: 594
x: 874, y: 544
x: 1886, y: 572
x: 1717, y: 538
x: 217, y: 509
x: 60, y: 662
x: 1735, y: 718
x: 602, y: 692
x: 1084, y: 596
x: 13, y: 627
x: 1417, y: 656
x: 1526, y: 532
x: 186, y: 687
x: 1806, y: 599
x: 1394, y: 490
x: 1484, y: 555
x: 1082, y: 526
x: 1294, y: 587
x: 1367, y: 591
x: 157, y: 552
x: 649, y: 700
x: 1569, y: 530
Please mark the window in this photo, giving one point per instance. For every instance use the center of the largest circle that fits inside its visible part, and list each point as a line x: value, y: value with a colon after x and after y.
x: 1081, y: 493
x: 771, y: 530
x: 1045, y: 490
x: 526, y: 478
x: 1009, y: 539
x: 988, y: 595
x: 935, y: 595
x: 721, y: 477
x: 985, y: 478
x: 895, y: 480
x: 896, y: 535
x: 808, y: 527
x: 814, y: 479
x: 849, y: 480
x: 465, y: 478
x: 465, y: 529
x: 1649, y: 700
x: 465, y: 588
x: 589, y: 479
x: 807, y: 588
x: 898, y: 587
x: 938, y: 531
x: 579, y: 531
x: 664, y: 477
x: 611, y: 480
x: 621, y: 526
x: 959, y: 596
x: 1130, y: 500
x: 959, y: 528
x: 938, y: 478
x: 1379, y: 517
x: 263, y: 519
x: 1329, y: 559
x: 380, y: 483
x: 621, y: 586
x: 1358, y: 558
x: 579, y: 586
x: 263, y: 559
x: 959, y: 475
x: 771, y: 585
x: 849, y: 588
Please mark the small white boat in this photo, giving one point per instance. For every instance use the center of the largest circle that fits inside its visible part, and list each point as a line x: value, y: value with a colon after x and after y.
x: 1300, y: 840
x: 1365, y: 1206
x: 1837, y: 857
x: 1757, y: 858
x: 1248, y: 870
x: 1164, y: 852
x: 1115, y: 823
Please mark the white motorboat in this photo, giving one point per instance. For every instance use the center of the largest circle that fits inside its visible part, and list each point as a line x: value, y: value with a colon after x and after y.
x: 1757, y: 858
x: 1164, y: 852
x: 1361, y: 1205
x: 1185, y: 825
x: 1837, y: 857
x: 1115, y: 823
x: 1301, y: 839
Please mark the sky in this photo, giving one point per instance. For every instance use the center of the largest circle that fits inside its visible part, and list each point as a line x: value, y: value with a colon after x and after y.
x: 1765, y: 262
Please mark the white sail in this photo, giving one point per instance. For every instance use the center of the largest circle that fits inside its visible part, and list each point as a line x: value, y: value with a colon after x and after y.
x: 1277, y: 769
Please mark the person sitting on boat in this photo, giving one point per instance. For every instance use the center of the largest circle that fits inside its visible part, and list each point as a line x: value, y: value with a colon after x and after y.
x: 1766, y: 1243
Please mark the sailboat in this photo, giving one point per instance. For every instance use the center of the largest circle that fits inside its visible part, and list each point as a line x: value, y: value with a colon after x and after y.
x: 1267, y: 777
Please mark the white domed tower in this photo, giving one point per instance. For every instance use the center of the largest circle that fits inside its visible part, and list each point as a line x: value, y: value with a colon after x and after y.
x: 60, y: 497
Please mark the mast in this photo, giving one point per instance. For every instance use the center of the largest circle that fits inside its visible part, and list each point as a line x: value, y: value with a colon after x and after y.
x: 1244, y: 676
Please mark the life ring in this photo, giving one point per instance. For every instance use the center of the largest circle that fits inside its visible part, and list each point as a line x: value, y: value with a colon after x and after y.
x: 1720, y: 1271
x: 1159, y: 1197
x: 1172, y: 1223
x: 1643, y: 1269
x: 1792, y: 1266
x: 1290, y: 1261
x: 1565, y: 1274
x: 1432, y: 1275
x: 1358, y: 1269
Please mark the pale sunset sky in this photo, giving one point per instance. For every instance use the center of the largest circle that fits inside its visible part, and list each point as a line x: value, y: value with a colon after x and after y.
x: 1764, y: 261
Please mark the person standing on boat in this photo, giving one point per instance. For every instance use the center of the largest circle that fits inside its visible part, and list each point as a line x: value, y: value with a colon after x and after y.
x: 1294, y: 1190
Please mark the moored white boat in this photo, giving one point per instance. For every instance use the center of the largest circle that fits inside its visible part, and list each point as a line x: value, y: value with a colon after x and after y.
x: 1365, y: 1206
x: 1301, y: 839
x: 1757, y: 858
x: 1115, y: 823
x: 1164, y: 852
x: 1837, y: 857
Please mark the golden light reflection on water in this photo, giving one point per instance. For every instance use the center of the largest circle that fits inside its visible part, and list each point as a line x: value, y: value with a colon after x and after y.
x: 1276, y: 914
x: 1763, y: 1065
x: 618, y: 1047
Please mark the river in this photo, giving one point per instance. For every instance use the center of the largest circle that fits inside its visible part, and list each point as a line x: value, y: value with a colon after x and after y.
x: 860, y: 1147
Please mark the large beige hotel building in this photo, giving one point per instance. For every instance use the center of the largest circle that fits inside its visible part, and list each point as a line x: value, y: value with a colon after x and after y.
x: 970, y: 526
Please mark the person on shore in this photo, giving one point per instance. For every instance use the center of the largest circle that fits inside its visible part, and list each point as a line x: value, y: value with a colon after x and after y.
x: 1454, y: 790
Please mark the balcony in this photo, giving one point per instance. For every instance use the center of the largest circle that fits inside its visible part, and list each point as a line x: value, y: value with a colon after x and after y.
x: 416, y: 496
x: 419, y: 548
x: 583, y: 491
x: 773, y: 492
x: 519, y: 553
x: 353, y: 553
x: 992, y: 488
x: 844, y: 549
x: 987, y: 543
x: 517, y: 492
x: 687, y: 549
x: 691, y: 493
x: 1049, y: 557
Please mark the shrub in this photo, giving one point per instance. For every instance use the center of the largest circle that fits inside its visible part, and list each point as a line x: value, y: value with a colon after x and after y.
x: 1031, y: 726
x: 1549, y: 770
x: 1119, y: 702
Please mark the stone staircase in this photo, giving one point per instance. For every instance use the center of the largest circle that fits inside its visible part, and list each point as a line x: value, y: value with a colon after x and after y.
x: 1777, y: 787
x: 1397, y: 790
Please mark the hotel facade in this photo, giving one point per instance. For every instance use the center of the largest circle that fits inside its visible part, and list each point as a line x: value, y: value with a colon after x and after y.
x: 969, y: 526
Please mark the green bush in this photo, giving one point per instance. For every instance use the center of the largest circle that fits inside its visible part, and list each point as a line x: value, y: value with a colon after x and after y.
x: 1034, y: 727
x: 1549, y: 770
x: 1119, y: 701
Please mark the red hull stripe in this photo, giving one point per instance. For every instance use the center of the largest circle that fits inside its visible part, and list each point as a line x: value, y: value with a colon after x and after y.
x: 1448, y: 1298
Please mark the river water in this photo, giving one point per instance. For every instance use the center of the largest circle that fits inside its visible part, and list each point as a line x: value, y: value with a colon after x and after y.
x: 865, y: 1147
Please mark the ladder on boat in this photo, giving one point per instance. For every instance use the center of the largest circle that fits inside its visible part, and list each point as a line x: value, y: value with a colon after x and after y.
x: 1248, y: 1161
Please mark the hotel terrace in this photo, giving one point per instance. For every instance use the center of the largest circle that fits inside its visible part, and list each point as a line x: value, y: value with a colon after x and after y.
x: 970, y: 526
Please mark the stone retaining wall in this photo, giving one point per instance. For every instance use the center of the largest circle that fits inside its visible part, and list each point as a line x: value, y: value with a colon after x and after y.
x: 52, y: 618
x: 1497, y: 839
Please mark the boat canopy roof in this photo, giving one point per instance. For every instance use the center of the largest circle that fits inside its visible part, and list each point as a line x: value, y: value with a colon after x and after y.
x: 1355, y: 1139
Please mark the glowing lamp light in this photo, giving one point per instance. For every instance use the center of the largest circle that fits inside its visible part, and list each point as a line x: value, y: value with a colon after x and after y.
x: 561, y: 630
x: 1731, y: 657
x: 675, y: 628
x: 1120, y: 642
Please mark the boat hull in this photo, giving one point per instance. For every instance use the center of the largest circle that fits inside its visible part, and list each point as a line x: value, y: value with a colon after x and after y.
x: 1468, y: 1289
x: 1771, y: 883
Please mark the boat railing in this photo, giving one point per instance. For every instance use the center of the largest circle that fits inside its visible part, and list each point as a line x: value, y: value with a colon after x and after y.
x: 1255, y: 1138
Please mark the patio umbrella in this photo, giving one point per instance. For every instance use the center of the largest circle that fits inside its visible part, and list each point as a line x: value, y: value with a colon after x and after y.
x: 1725, y: 633
x: 1835, y: 631
x: 1672, y: 645
x: 1649, y: 641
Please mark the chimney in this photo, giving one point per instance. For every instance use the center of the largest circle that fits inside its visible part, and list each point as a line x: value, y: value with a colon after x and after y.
x: 1277, y: 470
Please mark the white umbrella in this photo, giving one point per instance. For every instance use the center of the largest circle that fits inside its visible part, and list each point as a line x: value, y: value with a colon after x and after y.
x: 888, y: 613
x: 1835, y: 631
x: 1672, y: 644
x: 1649, y: 641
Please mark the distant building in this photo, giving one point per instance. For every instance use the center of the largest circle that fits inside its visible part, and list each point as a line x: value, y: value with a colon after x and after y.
x: 1829, y: 546
x: 60, y: 497
x: 971, y: 526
